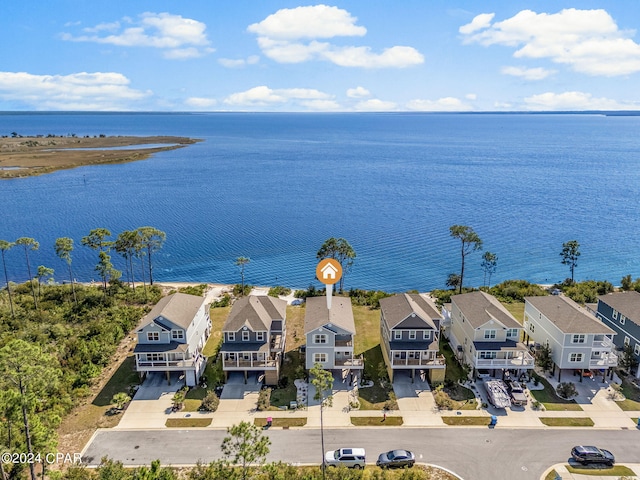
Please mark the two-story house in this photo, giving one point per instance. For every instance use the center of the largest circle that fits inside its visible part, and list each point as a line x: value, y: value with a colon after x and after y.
x: 621, y: 312
x: 172, y: 337
x: 254, y: 337
x: 485, y: 336
x: 329, y: 334
x: 578, y: 341
x: 410, y: 336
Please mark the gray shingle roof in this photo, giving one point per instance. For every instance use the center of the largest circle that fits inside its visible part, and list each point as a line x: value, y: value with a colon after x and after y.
x: 255, y: 312
x: 399, y: 307
x: 179, y: 308
x: 627, y: 303
x: 479, y: 307
x: 317, y: 315
x: 567, y: 315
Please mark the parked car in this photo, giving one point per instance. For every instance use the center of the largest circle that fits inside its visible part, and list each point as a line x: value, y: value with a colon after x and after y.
x: 516, y: 392
x: 592, y: 454
x: 396, y: 458
x: 346, y: 457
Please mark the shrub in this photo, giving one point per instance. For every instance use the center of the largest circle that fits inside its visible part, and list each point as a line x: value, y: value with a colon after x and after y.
x: 516, y: 290
x: 442, y: 398
x: 197, y: 290
x: 309, y: 292
x: 370, y: 298
x: 279, y: 291
x: 120, y: 400
x: 210, y: 402
x: 391, y: 403
x: 566, y: 390
x: 223, y: 301
x: 237, y: 290
x: 587, y: 291
x: 264, y: 399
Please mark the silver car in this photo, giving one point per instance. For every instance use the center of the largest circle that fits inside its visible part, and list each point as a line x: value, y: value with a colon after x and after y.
x: 346, y: 457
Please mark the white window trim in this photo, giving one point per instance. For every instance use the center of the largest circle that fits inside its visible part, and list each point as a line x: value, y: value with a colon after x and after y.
x: 636, y: 349
x: 319, y: 336
x: 488, y: 334
x: 575, y: 357
x: 156, y: 336
x: 177, y: 334
x: 627, y: 340
x: 615, y: 314
x: 623, y: 319
x: 246, y: 336
x: 579, y: 338
x: 319, y: 358
x: 231, y: 336
x: 260, y: 336
x: 426, y: 335
x: 397, y: 335
x: 412, y: 335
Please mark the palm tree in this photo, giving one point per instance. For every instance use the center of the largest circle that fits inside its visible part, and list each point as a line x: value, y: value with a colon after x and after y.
x: 29, y: 244
x: 241, y: 262
x: 4, y: 247
x: 64, y: 247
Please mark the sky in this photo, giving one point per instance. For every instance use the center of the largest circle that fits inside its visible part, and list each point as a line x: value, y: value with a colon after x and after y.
x: 340, y: 56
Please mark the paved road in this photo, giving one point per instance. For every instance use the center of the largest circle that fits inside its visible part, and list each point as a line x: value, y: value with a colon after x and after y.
x: 473, y: 453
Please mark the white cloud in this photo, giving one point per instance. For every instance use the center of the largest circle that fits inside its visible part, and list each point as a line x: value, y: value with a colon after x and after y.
x: 528, y: 73
x: 321, y: 105
x: 589, y: 41
x: 178, y: 37
x: 201, y: 102
x: 375, y: 105
x: 358, y: 92
x: 263, y: 96
x: 239, y: 62
x: 318, y: 21
x: 573, y: 101
x: 471, y: 96
x: 478, y: 23
x: 445, y: 104
x: 77, y: 91
x: 292, y: 36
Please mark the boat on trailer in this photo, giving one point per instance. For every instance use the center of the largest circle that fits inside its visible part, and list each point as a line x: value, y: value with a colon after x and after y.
x: 497, y: 393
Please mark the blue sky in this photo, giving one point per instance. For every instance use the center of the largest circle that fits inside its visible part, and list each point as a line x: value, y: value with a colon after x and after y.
x: 356, y: 55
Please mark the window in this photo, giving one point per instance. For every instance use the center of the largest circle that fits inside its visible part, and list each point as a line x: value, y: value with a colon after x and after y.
x: 412, y: 334
x: 512, y: 332
x: 426, y: 335
x: 615, y: 314
x: 177, y: 334
x: 623, y: 319
x: 260, y: 336
x: 319, y: 338
x: 153, y: 336
x: 245, y: 335
x: 319, y: 358
x: 155, y: 357
x: 578, y: 338
x: 575, y: 357
x: 397, y: 335
x: 488, y: 355
x: 636, y: 349
x: 627, y: 340
x: 231, y: 336
x: 532, y: 327
x: 489, y: 334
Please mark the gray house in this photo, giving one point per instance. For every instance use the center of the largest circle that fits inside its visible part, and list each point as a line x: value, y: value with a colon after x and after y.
x: 329, y: 334
x: 410, y: 335
x: 621, y: 312
x: 578, y: 341
x: 254, y: 337
x: 172, y: 337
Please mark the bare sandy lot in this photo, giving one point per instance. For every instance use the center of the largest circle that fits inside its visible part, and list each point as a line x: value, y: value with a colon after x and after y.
x: 27, y: 156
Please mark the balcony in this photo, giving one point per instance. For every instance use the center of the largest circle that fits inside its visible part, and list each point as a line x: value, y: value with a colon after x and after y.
x: 606, y: 360
x: 521, y: 361
x: 250, y: 364
x: 344, y: 343
x: 163, y: 365
x: 349, y: 362
x: 605, y: 344
x: 419, y: 362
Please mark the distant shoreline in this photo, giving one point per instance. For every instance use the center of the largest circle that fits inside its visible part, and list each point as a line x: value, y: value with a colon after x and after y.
x: 29, y: 156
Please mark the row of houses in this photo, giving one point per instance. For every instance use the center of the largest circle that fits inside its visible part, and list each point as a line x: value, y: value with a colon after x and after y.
x: 482, y: 333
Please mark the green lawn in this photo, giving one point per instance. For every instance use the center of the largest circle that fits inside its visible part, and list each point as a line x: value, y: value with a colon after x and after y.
x: 516, y: 309
x: 466, y: 420
x: 377, y: 421
x: 567, y: 421
x: 281, y: 397
x: 368, y: 329
x: 187, y: 422
x: 617, y: 471
x: 551, y: 400
x: 632, y: 394
x: 373, y: 398
x: 281, y: 422
x: 122, y: 380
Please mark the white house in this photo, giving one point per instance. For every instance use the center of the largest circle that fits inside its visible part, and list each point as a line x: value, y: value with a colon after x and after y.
x: 172, y: 337
x: 578, y: 341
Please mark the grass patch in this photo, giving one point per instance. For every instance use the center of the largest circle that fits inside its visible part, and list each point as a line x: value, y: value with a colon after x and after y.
x: 516, y: 309
x: 368, y: 327
x: 281, y: 422
x: 567, y: 421
x: 454, y: 371
x: 218, y: 317
x: 191, y: 405
x: 552, y: 475
x: 466, y: 421
x: 295, y: 326
x: 632, y: 394
x: 285, y: 393
x: 122, y: 380
x: 551, y: 400
x: 188, y: 422
x: 391, y: 421
x: 373, y: 398
x: 616, y: 471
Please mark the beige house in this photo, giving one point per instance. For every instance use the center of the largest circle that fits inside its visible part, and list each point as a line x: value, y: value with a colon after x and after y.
x: 578, y: 340
x: 254, y: 337
x: 485, y: 336
x: 329, y: 334
x: 410, y: 336
x: 172, y: 337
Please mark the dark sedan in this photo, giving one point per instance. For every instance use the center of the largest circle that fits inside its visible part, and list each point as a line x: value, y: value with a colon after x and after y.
x: 396, y: 459
x: 591, y: 454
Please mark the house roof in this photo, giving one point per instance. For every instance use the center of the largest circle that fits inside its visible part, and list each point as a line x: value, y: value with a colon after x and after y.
x: 317, y: 315
x: 397, y: 308
x: 179, y: 308
x: 479, y: 308
x: 255, y: 312
x: 567, y: 315
x: 627, y: 303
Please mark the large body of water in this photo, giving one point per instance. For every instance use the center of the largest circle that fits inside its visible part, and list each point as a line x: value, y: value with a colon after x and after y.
x: 273, y: 187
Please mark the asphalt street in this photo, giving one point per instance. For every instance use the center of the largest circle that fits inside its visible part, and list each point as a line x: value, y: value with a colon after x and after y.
x: 472, y: 453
